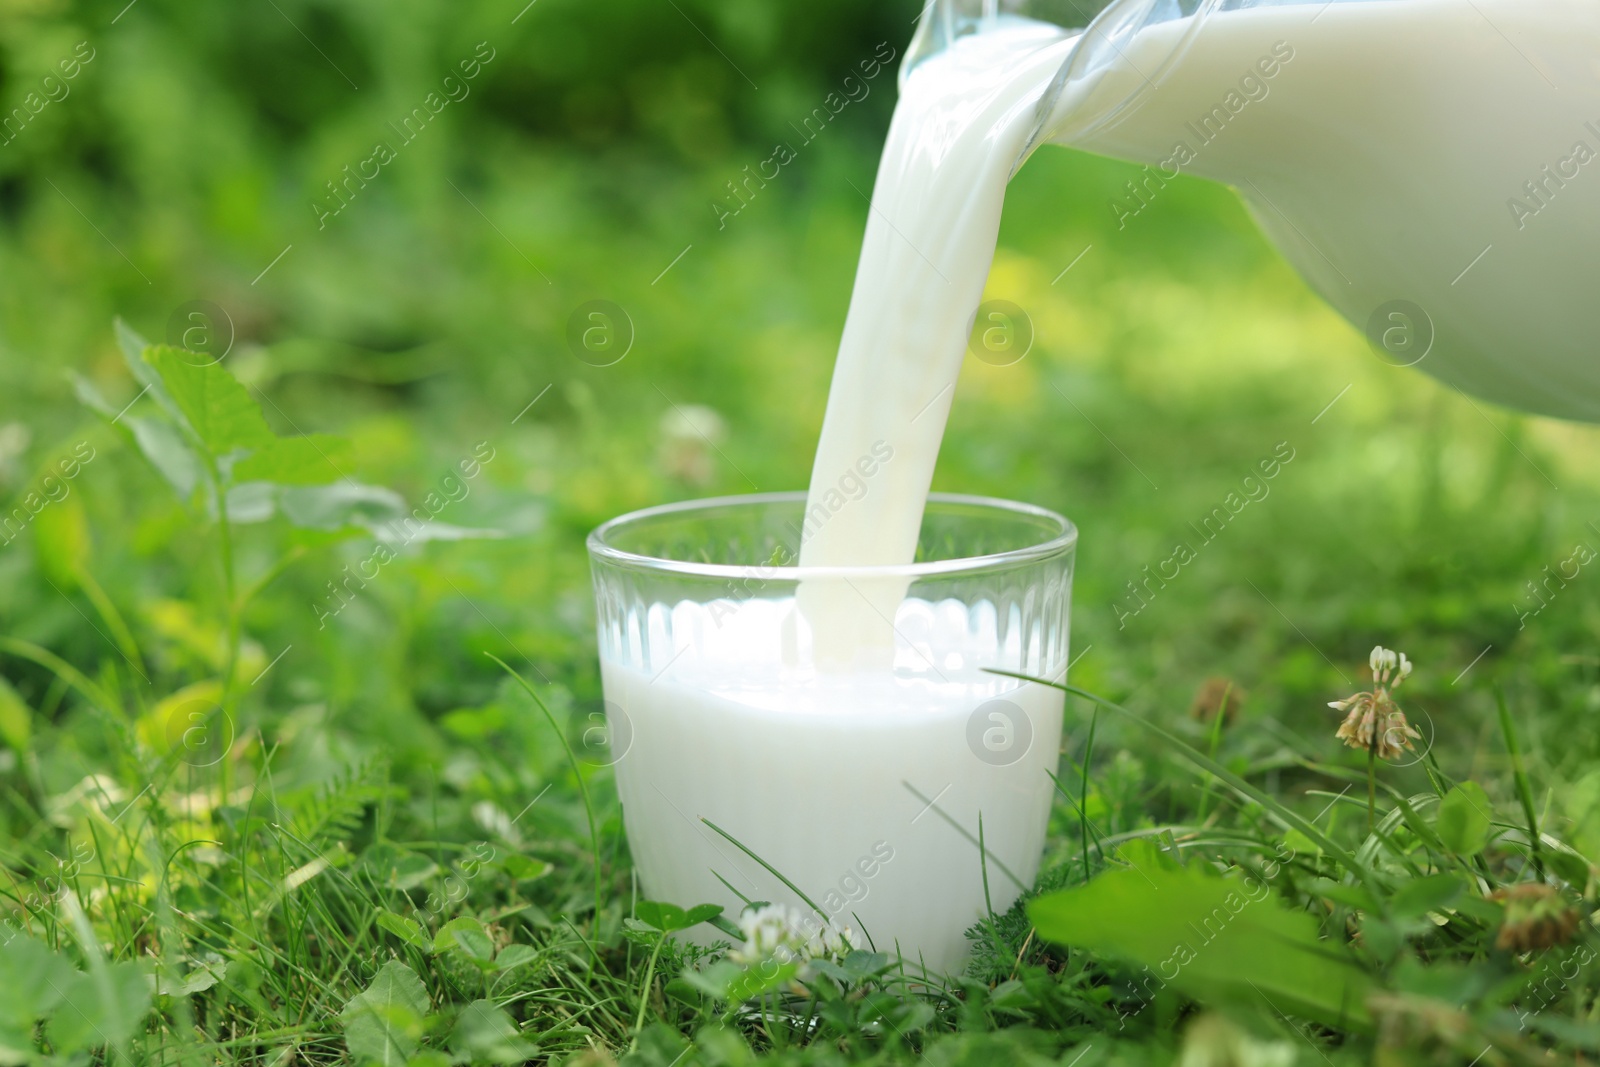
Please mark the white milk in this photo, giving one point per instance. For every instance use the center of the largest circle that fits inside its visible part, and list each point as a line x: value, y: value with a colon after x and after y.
x: 820, y: 774
x: 961, y: 121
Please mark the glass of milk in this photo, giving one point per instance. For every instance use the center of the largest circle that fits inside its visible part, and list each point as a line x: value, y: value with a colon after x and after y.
x: 862, y: 781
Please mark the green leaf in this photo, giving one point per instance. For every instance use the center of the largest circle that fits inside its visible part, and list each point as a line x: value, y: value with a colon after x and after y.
x: 669, y: 917
x: 525, y: 868
x: 383, y: 1023
x: 396, y: 868
x: 250, y: 502
x: 1463, y: 823
x: 405, y: 929
x: 485, y: 1034
x: 16, y: 1045
x: 1215, y: 938
x: 381, y: 512
x: 63, y: 543
x: 89, y: 395
x: 100, y: 1009
x: 205, y: 973
x: 1301, y: 845
x: 861, y: 964
x: 33, y: 976
x: 734, y: 984
x: 1572, y: 868
x: 334, y: 507
x: 513, y: 956
x: 315, y: 459
x: 467, y: 935
x: 1351, y: 896
x: 217, y: 408
x: 1416, y: 898
x: 167, y: 451
x: 16, y: 727
x: 133, y: 348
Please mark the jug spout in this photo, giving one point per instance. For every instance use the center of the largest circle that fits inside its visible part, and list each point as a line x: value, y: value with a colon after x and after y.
x: 1100, y: 46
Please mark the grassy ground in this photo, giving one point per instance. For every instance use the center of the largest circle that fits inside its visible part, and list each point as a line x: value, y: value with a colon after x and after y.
x: 380, y: 848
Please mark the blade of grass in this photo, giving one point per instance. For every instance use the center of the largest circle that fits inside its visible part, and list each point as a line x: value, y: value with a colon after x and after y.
x: 1083, y: 819
x: 1520, y: 774
x: 740, y: 845
x: 1276, y: 810
x: 1083, y: 793
x: 988, y: 905
x: 1213, y: 745
x: 64, y: 671
x: 963, y: 831
x: 731, y: 889
x: 583, y: 787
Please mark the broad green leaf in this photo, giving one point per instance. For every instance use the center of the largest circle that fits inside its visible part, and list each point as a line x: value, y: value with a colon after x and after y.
x: 251, y: 502
x: 16, y: 1045
x: 334, y: 507
x: 99, y: 1009
x: 407, y: 531
x: 89, y: 395
x: 861, y: 964
x: 1580, y: 802
x: 382, y: 512
x: 474, y: 724
x: 167, y: 451
x: 468, y: 935
x: 315, y: 459
x: 1416, y: 898
x: 1215, y: 938
x: 202, y: 975
x: 218, y: 409
x: 525, y: 868
x: 405, y: 929
x: 669, y: 917
x: 397, y: 868
x: 382, y: 1024
x: 1463, y: 823
x: 33, y: 977
x: 513, y: 956
x: 189, y: 721
x: 1351, y: 896
x: 16, y: 724
x: 133, y: 348
x: 1301, y: 845
x: 62, y: 541
x: 1572, y: 868
x: 486, y: 1034
x: 729, y: 982
x: 1572, y: 1034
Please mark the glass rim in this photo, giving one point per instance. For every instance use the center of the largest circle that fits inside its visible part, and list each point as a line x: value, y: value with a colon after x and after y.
x: 599, y: 548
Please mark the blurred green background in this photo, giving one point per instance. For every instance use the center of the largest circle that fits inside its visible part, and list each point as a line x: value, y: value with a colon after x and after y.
x: 186, y: 160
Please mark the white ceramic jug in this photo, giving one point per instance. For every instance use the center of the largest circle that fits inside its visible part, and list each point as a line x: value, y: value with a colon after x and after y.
x: 1431, y: 167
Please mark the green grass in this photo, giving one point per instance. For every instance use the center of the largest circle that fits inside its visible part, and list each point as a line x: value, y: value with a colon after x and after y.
x: 370, y: 811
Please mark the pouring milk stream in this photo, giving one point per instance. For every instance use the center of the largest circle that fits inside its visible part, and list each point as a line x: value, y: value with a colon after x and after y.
x: 1435, y: 160
x: 1432, y: 167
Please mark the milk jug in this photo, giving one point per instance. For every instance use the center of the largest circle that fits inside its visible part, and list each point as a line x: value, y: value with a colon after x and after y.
x: 1431, y: 167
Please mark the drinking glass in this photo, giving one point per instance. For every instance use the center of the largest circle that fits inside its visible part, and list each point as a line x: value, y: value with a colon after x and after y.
x: 750, y: 771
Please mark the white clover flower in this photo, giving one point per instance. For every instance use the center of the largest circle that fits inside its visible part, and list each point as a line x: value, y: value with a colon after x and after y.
x: 777, y: 931
x: 1373, y: 721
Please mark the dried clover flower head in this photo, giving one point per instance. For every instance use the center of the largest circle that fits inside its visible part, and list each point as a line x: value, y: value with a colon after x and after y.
x: 1373, y: 722
x: 1536, y: 917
